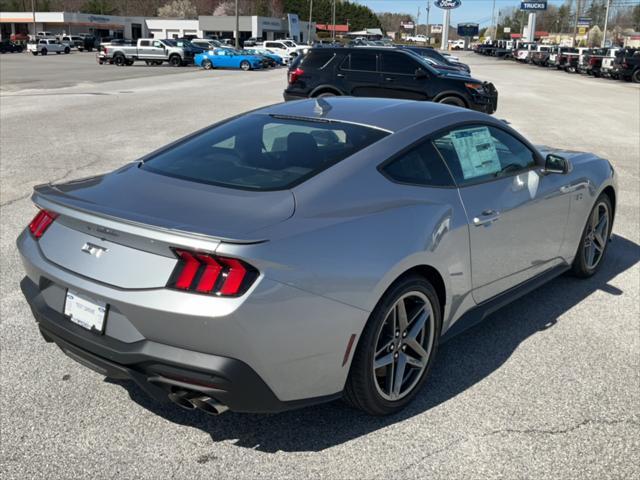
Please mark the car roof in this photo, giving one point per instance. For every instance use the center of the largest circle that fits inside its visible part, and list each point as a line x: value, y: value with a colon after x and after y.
x: 383, y: 113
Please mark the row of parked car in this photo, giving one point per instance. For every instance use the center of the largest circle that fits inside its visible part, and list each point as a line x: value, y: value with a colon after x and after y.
x: 205, y: 53
x: 610, y: 62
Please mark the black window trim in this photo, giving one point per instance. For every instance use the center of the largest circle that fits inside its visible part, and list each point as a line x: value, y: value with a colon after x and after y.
x: 430, y: 137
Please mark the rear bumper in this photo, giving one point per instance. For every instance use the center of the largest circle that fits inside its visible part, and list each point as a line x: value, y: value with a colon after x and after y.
x: 287, y: 343
x: 159, y: 369
x: 289, y: 96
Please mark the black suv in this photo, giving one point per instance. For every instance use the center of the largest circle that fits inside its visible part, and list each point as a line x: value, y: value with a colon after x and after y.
x: 384, y: 72
x: 627, y: 64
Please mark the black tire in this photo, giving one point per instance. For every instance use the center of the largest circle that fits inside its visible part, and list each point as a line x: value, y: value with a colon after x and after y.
x: 244, y: 65
x: 326, y: 94
x: 43, y: 51
x: 175, y: 60
x: 455, y: 101
x: 580, y: 267
x: 119, y: 60
x: 207, y: 65
x: 361, y: 390
x: 635, y: 76
x: 67, y: 51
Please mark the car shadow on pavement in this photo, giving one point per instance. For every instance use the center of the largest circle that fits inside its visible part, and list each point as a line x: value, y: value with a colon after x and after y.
x: 461, y: 363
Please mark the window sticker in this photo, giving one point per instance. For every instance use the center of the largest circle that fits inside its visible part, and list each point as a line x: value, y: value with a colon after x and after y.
x: 477, y: 152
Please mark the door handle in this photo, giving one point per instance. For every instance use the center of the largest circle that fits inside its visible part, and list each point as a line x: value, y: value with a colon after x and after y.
x: 388, y: 79
x: 486, y: 218
x: 568, y: 188
x: 340, y: 75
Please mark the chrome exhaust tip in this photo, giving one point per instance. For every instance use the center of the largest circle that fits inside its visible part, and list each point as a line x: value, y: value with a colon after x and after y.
x: 209, y: 405
x: 183, y: 399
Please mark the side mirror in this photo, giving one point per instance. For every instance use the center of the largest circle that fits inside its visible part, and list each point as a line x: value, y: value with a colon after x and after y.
x: 420, y: 74
x: 557, y: 164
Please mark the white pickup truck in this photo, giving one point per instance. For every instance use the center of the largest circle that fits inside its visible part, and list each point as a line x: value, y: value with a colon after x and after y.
x: 43, y: 46
x: 283, y: 48
x: 150, y: 50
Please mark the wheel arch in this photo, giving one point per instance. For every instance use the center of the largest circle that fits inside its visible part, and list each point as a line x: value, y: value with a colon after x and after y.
x: 323, y: 89
x: 610, y: 192
x: 429, y: 273
x: 458, y: 95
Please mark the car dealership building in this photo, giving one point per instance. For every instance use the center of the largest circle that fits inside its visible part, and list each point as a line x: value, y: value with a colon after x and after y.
x: 268, y: 28
x: 72, y: 23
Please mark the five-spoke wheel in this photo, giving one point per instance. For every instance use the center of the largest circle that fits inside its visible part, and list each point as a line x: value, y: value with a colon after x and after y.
x: 595, y: 237
x: 396, y: 348
x: 403, y: 344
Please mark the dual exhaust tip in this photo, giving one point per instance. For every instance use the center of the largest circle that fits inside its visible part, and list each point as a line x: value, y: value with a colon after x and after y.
x: 190, y: 400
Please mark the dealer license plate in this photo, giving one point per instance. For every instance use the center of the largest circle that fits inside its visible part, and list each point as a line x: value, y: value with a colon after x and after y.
x: 85, y: 311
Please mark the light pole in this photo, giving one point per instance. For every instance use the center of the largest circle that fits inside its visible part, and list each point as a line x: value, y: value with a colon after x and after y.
x: 33, y: 16
x: 493, y: 21
x: 333, y: 21
x: 606, y: 21
x: 427, y: 32
x: 237, y: 33
x: 310, y: 17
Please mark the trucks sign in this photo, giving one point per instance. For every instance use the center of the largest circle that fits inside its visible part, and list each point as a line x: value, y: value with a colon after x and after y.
x: 533, y: 6
x: 447, y: 4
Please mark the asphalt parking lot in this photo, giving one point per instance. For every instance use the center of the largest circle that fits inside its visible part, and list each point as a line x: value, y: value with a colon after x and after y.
x: 548, y: 387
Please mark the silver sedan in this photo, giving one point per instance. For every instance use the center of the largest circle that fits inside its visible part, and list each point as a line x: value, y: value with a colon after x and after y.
x: 307, y: 251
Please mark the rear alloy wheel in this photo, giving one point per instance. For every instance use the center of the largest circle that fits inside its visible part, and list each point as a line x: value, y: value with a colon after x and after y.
x: 635, y: 78
x: 396, y: 349
x: 67, y: 51
x: 119, y: 60
x: 207, y: 65
x: 594, y: 240
x: 458, y: 102
x: 175, y: 61
x: 244, y: 65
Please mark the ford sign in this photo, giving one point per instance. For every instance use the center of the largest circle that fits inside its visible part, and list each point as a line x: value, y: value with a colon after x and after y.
x: 447, y: 4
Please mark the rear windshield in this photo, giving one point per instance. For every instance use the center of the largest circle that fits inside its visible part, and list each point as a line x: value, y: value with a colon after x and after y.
x: 262, y: 152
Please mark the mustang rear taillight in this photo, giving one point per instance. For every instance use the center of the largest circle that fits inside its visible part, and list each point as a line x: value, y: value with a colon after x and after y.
x: 294, y: 75
x: 41, y: 222
x: 211, y: 274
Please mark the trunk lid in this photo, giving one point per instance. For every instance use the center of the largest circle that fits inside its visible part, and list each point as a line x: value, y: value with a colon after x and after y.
x: 168, y: 203
x: 120, y: 228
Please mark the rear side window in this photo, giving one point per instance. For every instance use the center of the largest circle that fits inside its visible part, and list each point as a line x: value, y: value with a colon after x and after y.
x: 317, y: 59
x: 398, y: 63
x: 363, y: 61
x: 420, y: 166
x: 262, y: 152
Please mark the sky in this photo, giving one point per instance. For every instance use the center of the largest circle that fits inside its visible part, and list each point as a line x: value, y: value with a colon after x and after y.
x: 477, y: 11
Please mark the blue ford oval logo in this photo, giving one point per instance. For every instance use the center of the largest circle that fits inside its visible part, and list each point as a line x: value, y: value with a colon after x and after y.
x: 447, y: 4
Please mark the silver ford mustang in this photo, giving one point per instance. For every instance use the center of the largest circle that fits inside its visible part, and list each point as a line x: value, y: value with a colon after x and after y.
x: 307, y: 251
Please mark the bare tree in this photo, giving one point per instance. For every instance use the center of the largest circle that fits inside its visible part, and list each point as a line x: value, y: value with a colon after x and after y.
x: 178, y: 9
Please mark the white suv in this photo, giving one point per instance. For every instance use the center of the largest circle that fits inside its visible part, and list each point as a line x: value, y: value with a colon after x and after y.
x: 45, y: 45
